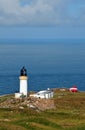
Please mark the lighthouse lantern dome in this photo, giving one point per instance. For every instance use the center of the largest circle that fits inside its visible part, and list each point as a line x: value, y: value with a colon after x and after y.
x: 23, y: 71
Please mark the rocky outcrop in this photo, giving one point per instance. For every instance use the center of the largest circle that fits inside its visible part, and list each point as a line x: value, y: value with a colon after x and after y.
x: 33, y: 103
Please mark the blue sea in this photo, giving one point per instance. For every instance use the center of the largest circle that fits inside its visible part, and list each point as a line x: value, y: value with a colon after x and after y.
x: 49, y: 64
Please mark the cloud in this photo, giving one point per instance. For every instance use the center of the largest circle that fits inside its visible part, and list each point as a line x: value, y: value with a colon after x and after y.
x: 42, y: 12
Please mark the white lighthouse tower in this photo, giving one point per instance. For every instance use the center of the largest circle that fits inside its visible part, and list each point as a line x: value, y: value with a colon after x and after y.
x: 23, y: 82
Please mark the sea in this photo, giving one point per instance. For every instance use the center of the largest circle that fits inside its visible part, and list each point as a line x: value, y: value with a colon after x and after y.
x: 50, y: 63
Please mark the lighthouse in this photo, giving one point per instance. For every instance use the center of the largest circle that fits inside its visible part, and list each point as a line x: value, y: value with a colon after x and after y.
x: 23, y: 82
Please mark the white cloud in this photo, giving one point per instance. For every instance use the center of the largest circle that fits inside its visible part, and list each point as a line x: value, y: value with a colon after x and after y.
x: 38, y: 12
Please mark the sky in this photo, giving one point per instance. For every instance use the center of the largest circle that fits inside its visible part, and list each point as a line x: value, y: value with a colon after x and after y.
x: 42, y: 19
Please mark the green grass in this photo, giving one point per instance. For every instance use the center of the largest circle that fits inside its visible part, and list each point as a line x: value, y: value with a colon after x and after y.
x: 68, y: 115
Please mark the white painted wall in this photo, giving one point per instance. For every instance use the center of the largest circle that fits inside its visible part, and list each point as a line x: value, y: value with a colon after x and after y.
x: 43, y: 94
x: 23, y: 86
x: 18, y: 95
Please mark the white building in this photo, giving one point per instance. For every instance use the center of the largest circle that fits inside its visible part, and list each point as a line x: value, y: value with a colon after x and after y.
x: 23, y: 85
x: 43, y: 94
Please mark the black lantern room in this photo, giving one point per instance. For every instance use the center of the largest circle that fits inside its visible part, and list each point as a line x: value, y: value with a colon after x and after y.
x: 23, y: 71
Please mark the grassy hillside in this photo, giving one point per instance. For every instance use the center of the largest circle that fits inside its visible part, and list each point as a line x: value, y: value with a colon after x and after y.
x: 69, y: 114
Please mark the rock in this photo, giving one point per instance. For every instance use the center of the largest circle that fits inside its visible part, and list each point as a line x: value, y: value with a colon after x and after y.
x: 21, y: 107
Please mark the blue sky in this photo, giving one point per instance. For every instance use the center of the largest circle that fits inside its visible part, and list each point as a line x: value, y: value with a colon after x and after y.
x: 44, y: 19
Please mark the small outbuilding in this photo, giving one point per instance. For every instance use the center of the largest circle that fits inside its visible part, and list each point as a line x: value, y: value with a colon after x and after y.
x: 73, y: 89
x: 43, y: 94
